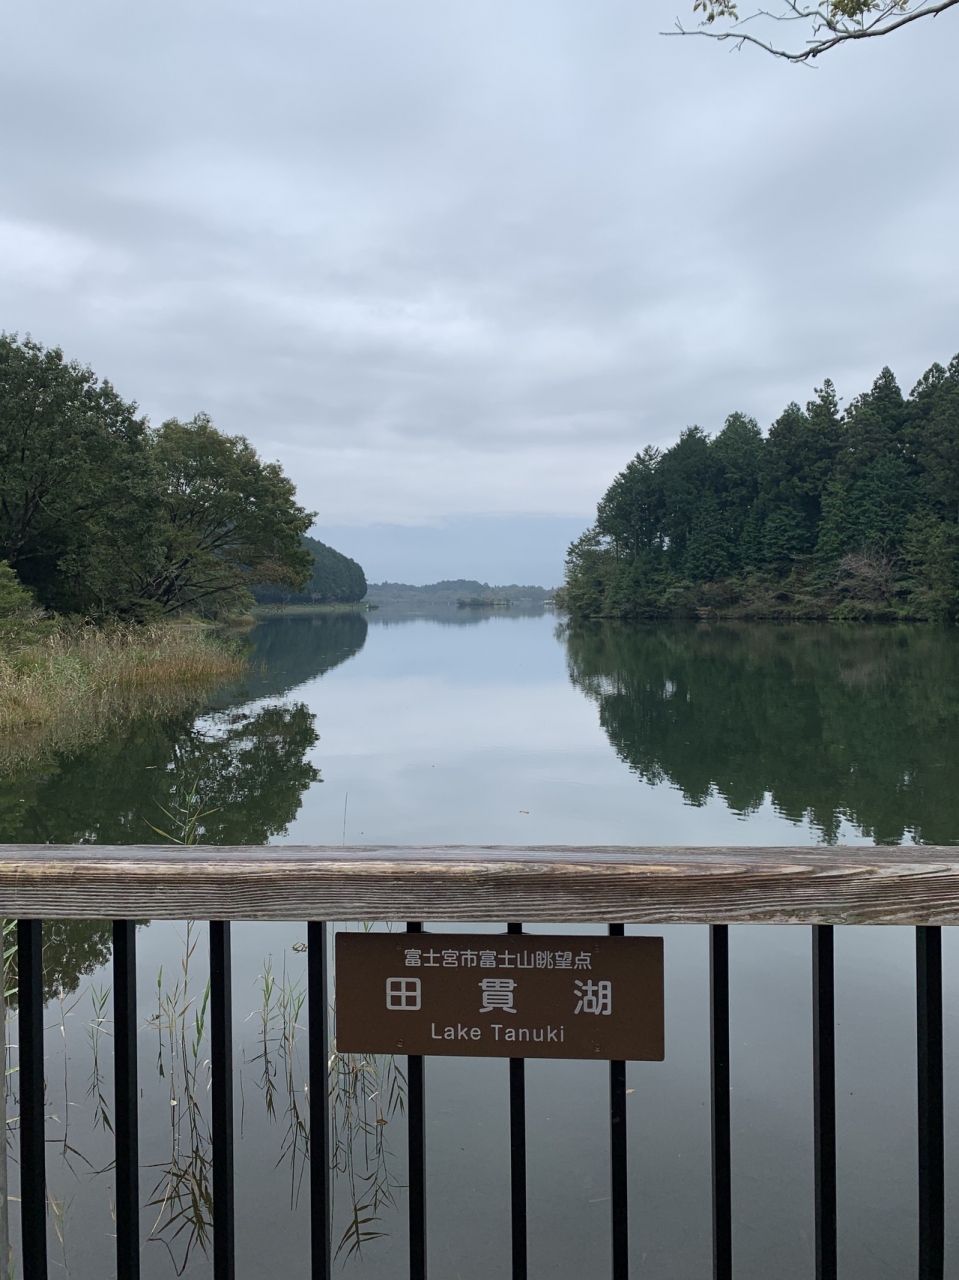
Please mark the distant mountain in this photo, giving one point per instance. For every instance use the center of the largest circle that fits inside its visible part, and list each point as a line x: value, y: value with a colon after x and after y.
x: 451, y: 592
x: 336, y: 580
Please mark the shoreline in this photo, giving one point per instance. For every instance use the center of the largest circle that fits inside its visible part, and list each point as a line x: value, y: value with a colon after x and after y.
x: 791, y: 599
x: 264, y: 612
x: 77, y: 684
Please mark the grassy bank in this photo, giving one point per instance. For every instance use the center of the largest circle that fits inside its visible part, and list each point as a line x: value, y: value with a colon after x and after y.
x: 79, y: 683
x: 266, y: 611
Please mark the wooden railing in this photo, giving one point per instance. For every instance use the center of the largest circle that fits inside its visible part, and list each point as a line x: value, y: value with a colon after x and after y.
x: 821, y: 887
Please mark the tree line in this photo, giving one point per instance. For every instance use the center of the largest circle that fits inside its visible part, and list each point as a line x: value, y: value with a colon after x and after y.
x: 336, y: 579
x: 102, y: 514
x: 850, y: 513
x: 451, y: 590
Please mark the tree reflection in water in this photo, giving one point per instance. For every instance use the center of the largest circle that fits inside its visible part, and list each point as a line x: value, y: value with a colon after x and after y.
x: 832, y: 723
x: 236, y: 776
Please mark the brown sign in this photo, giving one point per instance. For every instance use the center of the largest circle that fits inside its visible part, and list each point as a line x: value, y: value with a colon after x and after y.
x: 500, y: 995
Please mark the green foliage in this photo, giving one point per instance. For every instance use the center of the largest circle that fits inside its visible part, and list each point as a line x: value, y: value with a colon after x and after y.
x: 685, y: 472
x: 631, y: 511
x: 20, y: 619
x: 798, y: 460
x: 335, y: 579
x: 710, y: 545
x: 228, y: 521
x: 852, y: 515
x: 930, y: 554
x: 15, y: 599
x: 100, y: 514
x: 239, y: 773
x: 590, y: 569
x: 870, y: 513
x: 78, y: 483
x: 935, y: 438
x: 738, y: 451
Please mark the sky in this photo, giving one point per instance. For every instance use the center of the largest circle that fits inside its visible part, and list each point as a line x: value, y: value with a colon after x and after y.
x: 454, y: 263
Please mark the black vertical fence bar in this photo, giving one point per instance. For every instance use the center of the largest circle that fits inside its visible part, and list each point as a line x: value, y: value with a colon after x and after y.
x: 824, y: 1098
x: 125, y: 1129
x: 416, y: 1110
x: 517, y: 1156
x: 33, y: 1181
x: 721, y: 1130
x: 321, y: 1225
x: 221, y: 1044
x: 929, y: 1061
x: 619, y: 1194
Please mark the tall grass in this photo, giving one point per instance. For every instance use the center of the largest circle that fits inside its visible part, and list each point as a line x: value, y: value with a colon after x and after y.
x: 80, y: 683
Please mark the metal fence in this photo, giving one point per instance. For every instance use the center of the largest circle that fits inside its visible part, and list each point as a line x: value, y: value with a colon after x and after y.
x: 853, y: 885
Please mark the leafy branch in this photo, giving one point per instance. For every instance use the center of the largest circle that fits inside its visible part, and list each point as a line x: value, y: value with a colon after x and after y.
x: 829, y: 22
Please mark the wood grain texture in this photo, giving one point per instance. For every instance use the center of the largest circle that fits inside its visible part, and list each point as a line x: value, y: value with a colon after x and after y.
x: 817, y: 885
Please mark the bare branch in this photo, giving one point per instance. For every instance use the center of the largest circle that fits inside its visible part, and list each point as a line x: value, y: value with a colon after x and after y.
x: 824, y: 17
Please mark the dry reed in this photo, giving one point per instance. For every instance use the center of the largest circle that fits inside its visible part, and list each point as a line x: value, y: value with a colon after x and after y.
x: 79, y: 684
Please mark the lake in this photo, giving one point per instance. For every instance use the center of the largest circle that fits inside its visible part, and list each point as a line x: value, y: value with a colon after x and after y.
x: 507, y: 728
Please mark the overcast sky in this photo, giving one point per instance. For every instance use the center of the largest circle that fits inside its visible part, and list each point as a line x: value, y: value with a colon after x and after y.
x: 454, y: 263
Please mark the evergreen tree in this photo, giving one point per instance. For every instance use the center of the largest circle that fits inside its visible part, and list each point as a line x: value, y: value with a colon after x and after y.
x: 738, y: 454
x: 710, y: 549
x: 798, y: 460
x: 630, y: 513
x: 589, y: 567
x: 936, y: 438
x: 870, y: 513
x: 873, y: 426
x: 685, y: 472
x: 853, y: 514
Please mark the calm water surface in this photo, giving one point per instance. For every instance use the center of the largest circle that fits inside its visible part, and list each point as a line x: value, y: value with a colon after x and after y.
x: 454, y: 728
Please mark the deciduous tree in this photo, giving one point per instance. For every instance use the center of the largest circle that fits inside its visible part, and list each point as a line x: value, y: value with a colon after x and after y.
x: 228, y: 521
x: 78, y: 485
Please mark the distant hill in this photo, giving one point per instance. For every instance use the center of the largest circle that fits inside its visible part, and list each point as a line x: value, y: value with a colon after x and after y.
x: 336, y: 580
x: 451, y: 591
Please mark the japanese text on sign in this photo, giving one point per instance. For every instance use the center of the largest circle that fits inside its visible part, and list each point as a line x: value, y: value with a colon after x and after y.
x: 541, y: 995
x: 455, y: 958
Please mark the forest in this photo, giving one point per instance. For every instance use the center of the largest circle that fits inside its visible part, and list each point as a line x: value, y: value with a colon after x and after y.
x: 842, y: 513
x: 103, y: 515
x: 336, y: 579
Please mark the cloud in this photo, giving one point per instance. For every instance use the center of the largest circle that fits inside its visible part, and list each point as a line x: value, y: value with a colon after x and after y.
x: 468, y: 259
x: 500, y: 550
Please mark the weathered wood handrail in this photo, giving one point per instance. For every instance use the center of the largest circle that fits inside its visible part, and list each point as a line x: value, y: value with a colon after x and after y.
x: 614, y: 885
x: 860, y: 884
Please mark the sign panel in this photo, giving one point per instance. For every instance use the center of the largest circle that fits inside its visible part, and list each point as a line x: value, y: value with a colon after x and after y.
x: 500, y: 995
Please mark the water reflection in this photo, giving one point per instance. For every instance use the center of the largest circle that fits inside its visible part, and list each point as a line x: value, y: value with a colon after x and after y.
x: 242, y: 772
x: 450, y: 615
x: 249, y: 766
x: 289, y: 651
x: 857, y: 724
x: 467, y: 732
x: 247, y: 761
x: 247, y: 770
